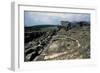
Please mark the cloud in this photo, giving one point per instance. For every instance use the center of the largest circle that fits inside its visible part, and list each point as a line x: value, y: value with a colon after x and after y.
x: 40, y: 18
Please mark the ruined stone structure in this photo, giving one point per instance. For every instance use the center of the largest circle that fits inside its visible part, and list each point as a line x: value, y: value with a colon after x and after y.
x: 66, y: 25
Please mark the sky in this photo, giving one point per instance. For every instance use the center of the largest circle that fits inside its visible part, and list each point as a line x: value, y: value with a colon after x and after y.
x: 32, y: 18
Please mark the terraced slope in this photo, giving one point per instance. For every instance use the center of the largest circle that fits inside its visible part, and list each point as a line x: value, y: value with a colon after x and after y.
x: 72, y: 44
x: 61, y: 45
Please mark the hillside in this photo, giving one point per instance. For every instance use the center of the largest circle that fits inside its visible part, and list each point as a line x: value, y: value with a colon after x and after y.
x: 59, y: 44
x: 73, y: 44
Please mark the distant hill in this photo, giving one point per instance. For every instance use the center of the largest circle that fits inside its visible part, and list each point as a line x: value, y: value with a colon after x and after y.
x: 41, y: 28
x: 50, y: 27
